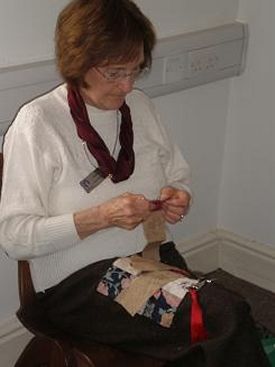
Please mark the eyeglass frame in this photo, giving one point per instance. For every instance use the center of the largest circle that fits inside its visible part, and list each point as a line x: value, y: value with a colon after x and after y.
x: 121, y: 74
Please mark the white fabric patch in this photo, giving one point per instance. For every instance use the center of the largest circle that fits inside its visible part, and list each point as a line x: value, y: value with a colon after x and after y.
x: 180, y: 286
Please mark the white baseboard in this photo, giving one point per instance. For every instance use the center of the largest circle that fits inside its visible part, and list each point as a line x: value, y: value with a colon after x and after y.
x: 201, y: 253
x: 246, y: 259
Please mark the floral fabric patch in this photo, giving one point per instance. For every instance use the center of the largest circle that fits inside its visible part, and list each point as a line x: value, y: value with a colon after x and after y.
x: 161, y: 307
x: 114, y: 281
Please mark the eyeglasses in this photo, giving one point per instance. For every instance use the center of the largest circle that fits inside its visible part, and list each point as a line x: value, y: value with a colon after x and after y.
x: 118, y: 75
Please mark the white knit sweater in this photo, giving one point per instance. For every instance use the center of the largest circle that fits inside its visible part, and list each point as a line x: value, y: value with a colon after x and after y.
x: 44, y: 160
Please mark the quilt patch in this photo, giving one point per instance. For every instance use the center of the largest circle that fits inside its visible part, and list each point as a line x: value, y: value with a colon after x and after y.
x: 114, y: 281
x: 162, y: 302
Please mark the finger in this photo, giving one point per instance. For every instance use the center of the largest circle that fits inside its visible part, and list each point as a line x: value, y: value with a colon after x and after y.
x: 167, y: 193
x: 174, y: 214
x: 179, y: 199
x: 175, y: 209
x: 171, y: 218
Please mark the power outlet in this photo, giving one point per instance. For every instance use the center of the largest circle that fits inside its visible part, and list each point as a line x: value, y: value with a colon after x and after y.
x: 174, y: 69
x: 203, y: 61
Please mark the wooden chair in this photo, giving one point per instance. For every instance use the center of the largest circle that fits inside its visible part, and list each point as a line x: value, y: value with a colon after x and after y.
x: 51, y: 348
x: 1, y: 170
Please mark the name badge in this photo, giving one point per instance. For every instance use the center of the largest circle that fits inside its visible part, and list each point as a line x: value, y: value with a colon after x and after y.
x: 92, y: 180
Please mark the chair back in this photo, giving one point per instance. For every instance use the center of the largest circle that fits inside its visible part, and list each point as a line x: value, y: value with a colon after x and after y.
x: 25, y: 285
x: 1, y: 171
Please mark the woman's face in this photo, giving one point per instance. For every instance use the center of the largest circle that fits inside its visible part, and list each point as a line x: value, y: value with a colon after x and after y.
x: 107, y: 91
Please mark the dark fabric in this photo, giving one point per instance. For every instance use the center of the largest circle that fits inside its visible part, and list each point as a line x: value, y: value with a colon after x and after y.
x: 124, y: 166
x: 75, y: 307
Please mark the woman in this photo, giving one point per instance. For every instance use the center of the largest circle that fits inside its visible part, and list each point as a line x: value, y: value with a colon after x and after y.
x: 87, y: 167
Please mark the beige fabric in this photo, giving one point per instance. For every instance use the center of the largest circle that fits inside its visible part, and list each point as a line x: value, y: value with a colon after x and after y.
x: 150, y: 265
x: 142, y: 288
x: 151, y: 251
x: 154, y: 231
x: 152, y: 276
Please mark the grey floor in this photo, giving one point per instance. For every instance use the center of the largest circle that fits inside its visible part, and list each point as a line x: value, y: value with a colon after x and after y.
x: 262, y: 302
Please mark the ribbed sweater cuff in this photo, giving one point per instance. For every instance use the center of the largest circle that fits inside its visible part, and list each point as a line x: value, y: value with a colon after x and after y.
x: 58, y: 232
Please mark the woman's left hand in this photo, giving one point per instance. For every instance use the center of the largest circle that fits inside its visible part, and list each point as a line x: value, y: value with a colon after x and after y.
x: 175, y: 204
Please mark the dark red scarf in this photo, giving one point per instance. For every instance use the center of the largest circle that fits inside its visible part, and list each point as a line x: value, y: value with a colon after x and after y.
x: 119, y: 170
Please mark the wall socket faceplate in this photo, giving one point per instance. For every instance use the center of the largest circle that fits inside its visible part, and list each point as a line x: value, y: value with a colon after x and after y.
x: 215, y: 58
x: 174, y: 68
x: 197, y: 58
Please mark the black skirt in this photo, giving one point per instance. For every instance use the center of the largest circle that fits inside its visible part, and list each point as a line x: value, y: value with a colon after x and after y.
x: 75, y: 307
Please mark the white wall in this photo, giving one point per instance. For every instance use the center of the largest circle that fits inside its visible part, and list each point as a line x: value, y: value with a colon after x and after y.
x: 177, y: 16
x: 27, y: 30
x: 247, y: 197
x: 27, y: 26
x: 196, y: 117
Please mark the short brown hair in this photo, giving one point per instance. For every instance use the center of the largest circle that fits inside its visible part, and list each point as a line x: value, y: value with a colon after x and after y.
x: 91, y: 32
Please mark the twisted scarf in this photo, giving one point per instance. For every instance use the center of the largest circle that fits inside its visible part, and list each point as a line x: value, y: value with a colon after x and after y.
x: 123, y: 167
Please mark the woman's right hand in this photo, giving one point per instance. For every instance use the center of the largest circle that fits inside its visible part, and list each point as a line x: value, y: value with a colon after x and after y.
x: 126, y: 211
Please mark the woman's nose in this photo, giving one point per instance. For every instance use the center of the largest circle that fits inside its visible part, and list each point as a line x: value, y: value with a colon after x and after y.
x: 126, y: 84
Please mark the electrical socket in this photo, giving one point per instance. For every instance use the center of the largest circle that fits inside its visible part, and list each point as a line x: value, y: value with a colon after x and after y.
x: 203, y: 61
x: 174, y: 68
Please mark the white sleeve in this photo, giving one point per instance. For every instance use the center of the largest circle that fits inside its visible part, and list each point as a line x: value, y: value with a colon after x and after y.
x: 26, y: 229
